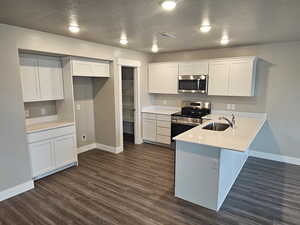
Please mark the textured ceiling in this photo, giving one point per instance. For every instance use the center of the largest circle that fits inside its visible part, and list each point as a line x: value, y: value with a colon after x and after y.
x: 103, y: 21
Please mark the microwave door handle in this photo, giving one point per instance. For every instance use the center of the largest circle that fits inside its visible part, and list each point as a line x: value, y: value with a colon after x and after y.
x: 198, y: 84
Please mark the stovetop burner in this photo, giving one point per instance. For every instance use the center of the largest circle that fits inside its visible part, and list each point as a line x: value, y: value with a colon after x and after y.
x: 192, y: 112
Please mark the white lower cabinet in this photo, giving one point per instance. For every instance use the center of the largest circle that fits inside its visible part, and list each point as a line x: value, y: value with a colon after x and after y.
x: 41, y: 157
x: 149, y: 129
x: 64, y: 151
x: 51, y: 150
x: 157, y: 128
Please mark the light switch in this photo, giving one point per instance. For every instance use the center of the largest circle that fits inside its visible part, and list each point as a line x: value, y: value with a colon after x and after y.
x: 77, y: 106
x: 228, y: 106
x: 43, y: 111
x: 233, y: 107
x: 27, y: 113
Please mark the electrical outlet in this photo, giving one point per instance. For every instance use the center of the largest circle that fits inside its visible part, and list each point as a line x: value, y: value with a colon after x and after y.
x: 228, y: 106
x: 78, y: 106
x: 165, y: 102
x: 83, y: 138
x: 43, y: 111
x: 233, y: 107
x: 27, y: 113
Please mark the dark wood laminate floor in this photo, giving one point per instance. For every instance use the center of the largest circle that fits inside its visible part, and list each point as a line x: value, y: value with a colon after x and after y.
x: 136, y: 187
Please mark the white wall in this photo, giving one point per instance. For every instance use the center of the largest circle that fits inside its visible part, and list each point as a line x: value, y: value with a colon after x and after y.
x: 277, y: 92
x: 14, y: 157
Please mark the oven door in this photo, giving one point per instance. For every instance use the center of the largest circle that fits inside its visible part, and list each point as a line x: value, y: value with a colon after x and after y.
x: 177, y: 128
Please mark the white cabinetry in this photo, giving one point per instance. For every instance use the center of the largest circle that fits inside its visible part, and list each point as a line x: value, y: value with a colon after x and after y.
x: 232, y: 77
x: 52, y: 150
x: 193, y: 68
x: 50, y: 76
x: 41, y: 157
x: 90, y: 68
x: 218, y: 78
x: 30, y: 78
x: 41, y: 78
x: 163, y: 78
x: 157, y: 128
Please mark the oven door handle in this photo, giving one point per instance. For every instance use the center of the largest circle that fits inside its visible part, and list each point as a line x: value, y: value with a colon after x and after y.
x: 186, y: 123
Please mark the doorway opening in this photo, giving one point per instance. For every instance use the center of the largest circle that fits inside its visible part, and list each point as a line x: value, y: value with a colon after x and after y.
x: 128, y: 106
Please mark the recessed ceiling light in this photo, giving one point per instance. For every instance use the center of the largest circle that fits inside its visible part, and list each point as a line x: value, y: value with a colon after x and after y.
x: 74, y: 28
x: 168, y: 5
x: 224, y: 41
x: 123, y: 41
x: 205, y: 28
x: 155, y: 48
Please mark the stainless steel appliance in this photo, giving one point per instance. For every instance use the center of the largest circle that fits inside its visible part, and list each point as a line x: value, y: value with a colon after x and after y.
x: 190, y: 116
x: 193, y: 83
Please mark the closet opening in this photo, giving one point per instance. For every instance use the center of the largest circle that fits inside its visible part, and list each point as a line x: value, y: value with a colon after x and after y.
x: 128, y: 105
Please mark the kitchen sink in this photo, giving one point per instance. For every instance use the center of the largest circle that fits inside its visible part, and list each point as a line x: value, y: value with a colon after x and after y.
x: 216, y: 126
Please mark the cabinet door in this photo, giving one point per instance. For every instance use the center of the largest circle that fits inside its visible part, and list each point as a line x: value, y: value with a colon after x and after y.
x: 82, y: 68
x: 64, y: 150
x: 193, y: 68
x: 100, y: 69
x: 149, y: 129
x: 50, y: 77
x: 163, y: 78
x: 218, y: 78
x: 241, y: 78
x: 41, y: 157
x: 29, y: 77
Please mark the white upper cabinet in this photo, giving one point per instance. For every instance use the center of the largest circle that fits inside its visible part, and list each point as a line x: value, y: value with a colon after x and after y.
x: 218, y: 78
x: 41, y: 78
x: 90, y: 68
x: 193, y: 68
x: 232, y: 77
x: 50, y: 76
x: 29, y: 78
x: 163, y: 78
x: 242, y: 77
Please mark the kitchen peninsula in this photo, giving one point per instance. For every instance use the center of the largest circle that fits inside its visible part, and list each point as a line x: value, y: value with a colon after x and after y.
x: 208, y: 162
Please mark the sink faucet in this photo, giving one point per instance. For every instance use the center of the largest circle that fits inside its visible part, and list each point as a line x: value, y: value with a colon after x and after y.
x: 231, y: 123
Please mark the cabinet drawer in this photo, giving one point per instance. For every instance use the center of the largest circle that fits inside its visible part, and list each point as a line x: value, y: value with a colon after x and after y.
x: 163, y: 117
x: 47, y: 134
x: 165, y: 124
x: 163, y: 131
x: 163, y: 139
x: 150, y: 116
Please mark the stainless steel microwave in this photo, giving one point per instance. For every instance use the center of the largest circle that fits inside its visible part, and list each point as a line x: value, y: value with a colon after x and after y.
x: 193, y: 83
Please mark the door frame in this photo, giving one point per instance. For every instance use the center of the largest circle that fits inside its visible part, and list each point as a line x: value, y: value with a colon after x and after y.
x: 137, y: 100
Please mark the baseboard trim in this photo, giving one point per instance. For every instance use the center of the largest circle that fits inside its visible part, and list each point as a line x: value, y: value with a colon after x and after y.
x: 11, y: 192
x: 275, y: 157
x: 108, y: 148
x: 86, y: 148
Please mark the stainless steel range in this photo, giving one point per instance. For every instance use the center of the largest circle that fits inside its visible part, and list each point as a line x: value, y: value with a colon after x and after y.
x: 190, y: 116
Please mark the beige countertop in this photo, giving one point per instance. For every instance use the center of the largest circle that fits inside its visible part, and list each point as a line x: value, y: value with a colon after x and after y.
x: 46, y: 126
x: 238, y: 139
x: 160, y: 110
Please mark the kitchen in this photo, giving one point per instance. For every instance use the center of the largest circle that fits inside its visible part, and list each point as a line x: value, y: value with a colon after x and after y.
x: 128, y: 180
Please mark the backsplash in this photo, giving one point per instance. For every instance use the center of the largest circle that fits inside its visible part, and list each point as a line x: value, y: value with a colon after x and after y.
x: 38, y: 109
x: 241, y: 104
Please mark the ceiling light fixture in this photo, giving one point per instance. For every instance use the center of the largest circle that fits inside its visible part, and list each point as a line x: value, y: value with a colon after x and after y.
x: 155, y: 48
x: 205, y: 28
x: 224, y: 41
x: 168, y: 5
x: 74, y: 28
x: 123, y: 41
